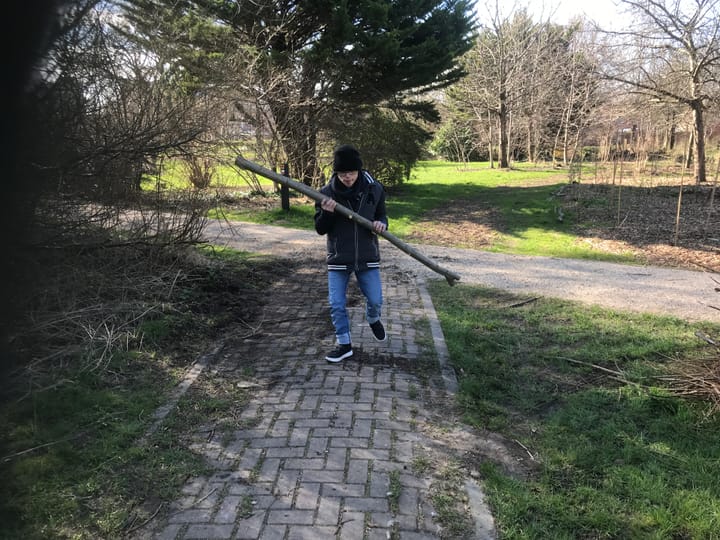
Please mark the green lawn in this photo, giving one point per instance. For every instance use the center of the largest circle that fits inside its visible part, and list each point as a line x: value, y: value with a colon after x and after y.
x: 174, y: 176
x: 618, y: 455
x: 87, y: 471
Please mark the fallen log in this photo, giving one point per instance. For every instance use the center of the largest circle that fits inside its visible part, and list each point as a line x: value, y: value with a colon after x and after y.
x: 243, y: 163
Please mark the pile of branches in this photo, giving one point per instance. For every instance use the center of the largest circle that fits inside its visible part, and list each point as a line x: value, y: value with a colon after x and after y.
x: 698, y: 379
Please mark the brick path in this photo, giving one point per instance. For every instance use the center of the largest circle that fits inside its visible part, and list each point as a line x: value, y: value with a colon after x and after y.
x: 328, y: 451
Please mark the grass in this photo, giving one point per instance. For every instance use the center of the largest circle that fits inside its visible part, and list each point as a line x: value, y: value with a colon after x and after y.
x: 450, y: 501
x: 394, y: 491
x: 174, y: 176
x: 435, y: 183
x: 299, y: 216
x: 619, y: 456
x: 86, y: 469
x: 523, y: 198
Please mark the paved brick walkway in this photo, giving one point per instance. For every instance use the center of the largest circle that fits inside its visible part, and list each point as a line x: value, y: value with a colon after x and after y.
x: 325, y: 451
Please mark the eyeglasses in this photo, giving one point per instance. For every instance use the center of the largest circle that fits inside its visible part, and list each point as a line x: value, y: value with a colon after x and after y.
x: 346, y: 173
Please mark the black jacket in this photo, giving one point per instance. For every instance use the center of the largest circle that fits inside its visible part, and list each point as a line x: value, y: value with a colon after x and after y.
x: 351, y: 246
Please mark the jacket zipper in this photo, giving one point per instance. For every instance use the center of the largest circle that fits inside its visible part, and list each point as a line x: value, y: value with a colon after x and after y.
x: 355, y: 225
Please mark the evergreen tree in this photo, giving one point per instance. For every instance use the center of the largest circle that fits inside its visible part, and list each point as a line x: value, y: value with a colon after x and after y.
x: 301, y: 60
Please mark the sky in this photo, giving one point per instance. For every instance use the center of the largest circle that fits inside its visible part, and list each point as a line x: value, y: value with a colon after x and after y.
x: 605, y: 12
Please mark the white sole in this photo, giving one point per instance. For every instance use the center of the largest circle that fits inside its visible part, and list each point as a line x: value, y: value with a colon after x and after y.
x: 339, y: 358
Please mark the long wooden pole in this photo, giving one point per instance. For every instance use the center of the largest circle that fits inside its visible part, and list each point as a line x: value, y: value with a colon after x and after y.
x: 243, y: 163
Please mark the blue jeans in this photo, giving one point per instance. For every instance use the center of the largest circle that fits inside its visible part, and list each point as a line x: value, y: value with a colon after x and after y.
x: 369, y: 282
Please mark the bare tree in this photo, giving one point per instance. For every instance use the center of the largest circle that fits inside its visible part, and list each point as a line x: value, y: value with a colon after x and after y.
x: 96, y: 113
x: 496, y: 72
x: 532, y: 83
x: 575, y: 90
x: 102, y: 112
x: 670, y: 53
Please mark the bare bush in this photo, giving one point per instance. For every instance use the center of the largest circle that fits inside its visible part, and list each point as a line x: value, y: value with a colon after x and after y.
x: 200, y: 170
x: 697, y: 380
x: 105, y: 112
x: 101, y: 114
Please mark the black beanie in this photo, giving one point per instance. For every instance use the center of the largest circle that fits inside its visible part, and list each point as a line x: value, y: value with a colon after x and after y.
x: 347, y: 158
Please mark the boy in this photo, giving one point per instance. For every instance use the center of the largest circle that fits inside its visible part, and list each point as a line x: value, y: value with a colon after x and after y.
x: 352, y: 248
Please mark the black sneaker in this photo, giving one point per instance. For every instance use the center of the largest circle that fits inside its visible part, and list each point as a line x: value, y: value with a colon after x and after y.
x: 378, y: 330
x: 339, y: 353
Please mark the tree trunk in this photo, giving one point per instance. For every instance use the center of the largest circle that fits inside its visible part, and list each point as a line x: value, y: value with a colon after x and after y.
x: 689, y: 150
x: 671, y: 138
x: 503, y: 135
x: 534, y: 145
x: 699, y: 136
x: 490, y: 140
x: 297, y: 132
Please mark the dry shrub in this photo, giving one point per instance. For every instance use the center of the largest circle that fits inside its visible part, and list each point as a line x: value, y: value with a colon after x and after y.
x: 92, y: 273
x: 88, y: 305
x: 642, y: 217
x: 200, y: 170
x: 697, y: 380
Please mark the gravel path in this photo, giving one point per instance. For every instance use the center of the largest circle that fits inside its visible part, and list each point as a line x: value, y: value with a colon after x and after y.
x: 684, y: 294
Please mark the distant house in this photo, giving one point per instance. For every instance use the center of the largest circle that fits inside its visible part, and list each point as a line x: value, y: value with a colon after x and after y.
x: 626, y: 135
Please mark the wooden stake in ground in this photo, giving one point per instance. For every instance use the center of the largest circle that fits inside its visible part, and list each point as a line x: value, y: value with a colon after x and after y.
x: 712, y: 194
x: 243, y: 163
x: 679, y: 206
